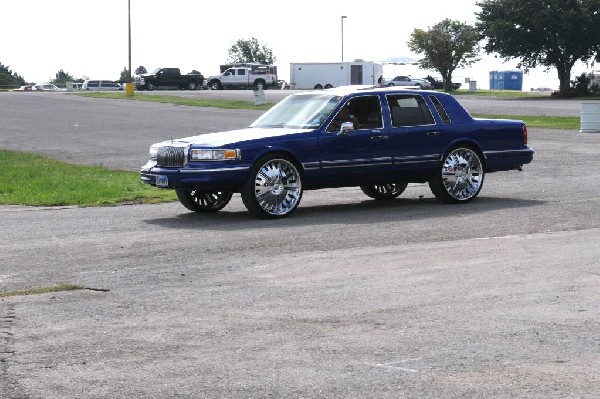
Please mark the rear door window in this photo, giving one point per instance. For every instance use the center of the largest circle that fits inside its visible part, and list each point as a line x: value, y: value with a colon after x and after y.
x: 409, y: 110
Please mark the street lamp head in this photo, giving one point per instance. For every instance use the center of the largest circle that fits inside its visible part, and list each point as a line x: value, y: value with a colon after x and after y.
x: 343, y: 16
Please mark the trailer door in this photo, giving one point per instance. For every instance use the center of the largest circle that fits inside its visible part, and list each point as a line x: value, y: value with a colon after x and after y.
x: 356, y: 74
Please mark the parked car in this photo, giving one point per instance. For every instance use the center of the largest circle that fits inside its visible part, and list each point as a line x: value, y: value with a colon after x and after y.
x: 402, y: 136
x: 46, y: 87
x: 24, y: 88
x: 101, y: 85
x: 407, y: 81
x: 437, y: 83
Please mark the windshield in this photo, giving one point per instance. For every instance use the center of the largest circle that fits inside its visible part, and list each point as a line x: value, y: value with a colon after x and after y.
x: 305, y: 111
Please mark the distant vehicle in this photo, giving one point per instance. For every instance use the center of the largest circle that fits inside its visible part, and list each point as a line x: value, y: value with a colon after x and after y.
x: 244, y: 76
x: 407, y: 81
x: 24, y: 88
x: 438, y: 83
x: 168, y: 78
x: 47, y: 87
x: 399, y: 136
x: 325, y: 75
x: 102, y: 85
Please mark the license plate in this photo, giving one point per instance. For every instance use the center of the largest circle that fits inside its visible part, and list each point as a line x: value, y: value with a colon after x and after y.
x: 162, y: 181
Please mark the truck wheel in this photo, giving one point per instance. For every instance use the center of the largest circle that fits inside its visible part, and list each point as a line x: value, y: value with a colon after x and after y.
x: 192, y: 85
x: 318, y: 87
x: 215, y: 85
x: 150, y: 86
x: 328, y: 86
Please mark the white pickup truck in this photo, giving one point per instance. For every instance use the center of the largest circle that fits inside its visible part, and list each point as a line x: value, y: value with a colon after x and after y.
x: 257, y: 77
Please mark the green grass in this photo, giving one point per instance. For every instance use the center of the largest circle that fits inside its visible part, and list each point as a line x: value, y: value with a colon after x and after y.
x: 501, y: 93
x: 35, y: 180
x: 42, y: 290
x: 178, y: 100
x: 544, y: 122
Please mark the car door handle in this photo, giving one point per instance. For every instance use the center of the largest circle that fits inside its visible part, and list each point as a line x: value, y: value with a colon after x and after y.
x: 433, y: 134
x: 379, y: 137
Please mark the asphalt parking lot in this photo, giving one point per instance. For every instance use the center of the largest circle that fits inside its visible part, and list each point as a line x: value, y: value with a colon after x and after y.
x: 348, y: 298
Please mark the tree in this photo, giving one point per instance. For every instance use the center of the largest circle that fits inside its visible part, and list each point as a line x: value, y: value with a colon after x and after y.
x: 61, y: 78
x: 140, y: 70
x: 123, y: 76
x: 250, y: 51
x: 447, y: 45
x: 550, y: 33
x: 10, y: 78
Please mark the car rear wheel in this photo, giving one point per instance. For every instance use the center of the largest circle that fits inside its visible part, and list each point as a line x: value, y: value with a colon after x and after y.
x: 204, y: 201
x: 384, y: 191
x: 460, y: 177
x: 274, y: 189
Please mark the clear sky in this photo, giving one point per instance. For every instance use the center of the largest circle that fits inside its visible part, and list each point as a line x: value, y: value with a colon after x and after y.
x: 89, y: 38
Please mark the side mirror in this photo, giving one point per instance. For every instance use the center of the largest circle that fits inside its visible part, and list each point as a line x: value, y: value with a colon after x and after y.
x: 345, y: 128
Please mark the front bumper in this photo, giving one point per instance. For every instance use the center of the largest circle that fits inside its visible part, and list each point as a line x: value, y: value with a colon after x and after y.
x: 212, y: 176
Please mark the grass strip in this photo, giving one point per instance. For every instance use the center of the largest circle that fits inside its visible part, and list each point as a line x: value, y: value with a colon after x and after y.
x: 43, y: 290
x: 35, y: 180
x: 545, y: 122
x: 178, y: 100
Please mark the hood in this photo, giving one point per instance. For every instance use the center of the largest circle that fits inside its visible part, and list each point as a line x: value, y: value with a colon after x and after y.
x: 232, y: 137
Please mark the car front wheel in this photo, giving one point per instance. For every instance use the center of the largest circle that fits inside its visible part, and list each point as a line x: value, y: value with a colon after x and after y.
x: 150, y: 86
x: 274, y: 189
x: 384, y: 191
x: 204, y: 201
x: 460, y: 177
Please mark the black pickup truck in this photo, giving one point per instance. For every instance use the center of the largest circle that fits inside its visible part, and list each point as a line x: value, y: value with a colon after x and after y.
x: 169, y: 78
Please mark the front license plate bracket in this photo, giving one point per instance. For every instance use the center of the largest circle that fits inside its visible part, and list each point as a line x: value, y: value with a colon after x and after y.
x: 162, y: 181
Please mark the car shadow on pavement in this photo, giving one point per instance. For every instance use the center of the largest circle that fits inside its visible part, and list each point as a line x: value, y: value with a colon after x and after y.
x: 354, y: 213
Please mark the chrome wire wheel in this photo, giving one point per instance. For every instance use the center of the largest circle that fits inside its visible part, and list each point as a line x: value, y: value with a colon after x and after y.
x: 274, y: 189
x: 384, y: 191
x: 460, y: 178
x: 204, y: 201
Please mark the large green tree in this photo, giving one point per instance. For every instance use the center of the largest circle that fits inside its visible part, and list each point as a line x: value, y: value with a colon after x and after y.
x: 550, y: 33
x: 250, y: 51
x: 9, y: 78
x: 61, y: 78
x: 446, y: 46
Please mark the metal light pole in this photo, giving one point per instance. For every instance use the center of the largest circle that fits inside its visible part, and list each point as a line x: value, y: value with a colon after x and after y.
x: 129, y: 84
x: 342, y: 19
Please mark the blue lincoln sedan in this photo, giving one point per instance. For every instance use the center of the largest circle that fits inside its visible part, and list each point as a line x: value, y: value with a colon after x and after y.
x: 378, y: 139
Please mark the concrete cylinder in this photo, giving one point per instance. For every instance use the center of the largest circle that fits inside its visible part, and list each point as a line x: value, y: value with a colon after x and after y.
x: 590, y: 118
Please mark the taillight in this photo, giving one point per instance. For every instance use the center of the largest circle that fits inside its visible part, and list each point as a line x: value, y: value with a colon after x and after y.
x: 525, y: 134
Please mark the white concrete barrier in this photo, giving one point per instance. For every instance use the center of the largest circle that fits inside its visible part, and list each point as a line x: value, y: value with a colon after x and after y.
x: 590, y: 118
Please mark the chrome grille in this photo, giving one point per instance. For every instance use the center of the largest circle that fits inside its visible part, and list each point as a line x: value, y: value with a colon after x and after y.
x: 170, y: 156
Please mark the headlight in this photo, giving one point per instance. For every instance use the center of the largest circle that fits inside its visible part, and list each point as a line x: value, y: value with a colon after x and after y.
x: 152, y: 154
x: 214, y: 155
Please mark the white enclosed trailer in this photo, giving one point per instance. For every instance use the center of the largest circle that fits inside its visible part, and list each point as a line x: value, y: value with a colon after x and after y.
x: 324, y: 75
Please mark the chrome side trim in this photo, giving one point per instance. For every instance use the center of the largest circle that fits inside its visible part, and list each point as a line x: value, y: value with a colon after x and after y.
x: 525, y: 150
x: 214, y: 170
x: 373, y: 161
